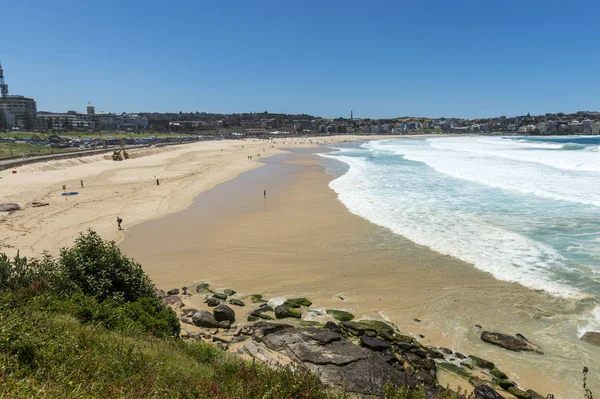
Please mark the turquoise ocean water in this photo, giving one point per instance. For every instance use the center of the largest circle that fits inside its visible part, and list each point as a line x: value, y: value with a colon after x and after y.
x: 523, y: 209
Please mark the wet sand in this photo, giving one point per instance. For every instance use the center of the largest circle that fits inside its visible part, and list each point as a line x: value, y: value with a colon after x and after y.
x: 301, y: 241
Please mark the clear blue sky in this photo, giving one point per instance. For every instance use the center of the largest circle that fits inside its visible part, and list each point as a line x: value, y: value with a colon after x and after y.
x: 379, y: 58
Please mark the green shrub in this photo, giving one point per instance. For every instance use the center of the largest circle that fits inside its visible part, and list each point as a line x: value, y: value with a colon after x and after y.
x: 98, y: 268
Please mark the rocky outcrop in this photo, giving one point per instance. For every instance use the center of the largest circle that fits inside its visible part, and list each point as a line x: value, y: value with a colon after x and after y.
x: 236, y: 302
x: 173, y: 291
x: 224, y: 313
x: 516, y: 343
x: 485, y: 392
x: 173, y: 301
x: 203, y: 318
x: 340, y: 315
x: 297, y: 302
x: 284, y: 311
x: 591, y: 337
x: 337, y: 361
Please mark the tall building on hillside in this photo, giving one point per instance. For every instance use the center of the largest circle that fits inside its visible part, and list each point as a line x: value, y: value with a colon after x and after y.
x: 15, y: 111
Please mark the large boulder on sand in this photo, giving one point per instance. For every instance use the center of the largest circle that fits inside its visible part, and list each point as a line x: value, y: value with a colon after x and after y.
x: 284, y: 311
x: 204, y: 318
x: 514, y: 343
x: 591, y: 337
x: 224, y: 313
x: 9, y: 207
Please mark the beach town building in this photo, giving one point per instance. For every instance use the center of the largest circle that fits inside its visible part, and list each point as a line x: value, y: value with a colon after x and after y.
x: 15, y: 111
x: 91, y: 120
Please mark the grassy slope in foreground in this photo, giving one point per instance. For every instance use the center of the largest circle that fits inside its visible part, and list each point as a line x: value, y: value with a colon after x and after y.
x: 72, y: 327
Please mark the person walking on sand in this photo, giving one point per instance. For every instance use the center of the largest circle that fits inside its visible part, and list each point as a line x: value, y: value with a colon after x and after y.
x: 265, y: 194
x: 157, y: 182
x: 119, y: 221
x: 81, y: 181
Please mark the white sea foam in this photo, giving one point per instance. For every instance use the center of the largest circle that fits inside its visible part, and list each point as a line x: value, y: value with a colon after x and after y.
x: 504, y: 164
x: 462, y: 219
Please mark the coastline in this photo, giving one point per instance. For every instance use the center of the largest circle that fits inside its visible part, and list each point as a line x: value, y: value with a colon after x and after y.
x: 126, y: 189
x: 302, y: 241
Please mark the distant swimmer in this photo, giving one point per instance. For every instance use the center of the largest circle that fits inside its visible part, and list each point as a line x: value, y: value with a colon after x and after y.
x: 265, y: 194
x: 119, y: 221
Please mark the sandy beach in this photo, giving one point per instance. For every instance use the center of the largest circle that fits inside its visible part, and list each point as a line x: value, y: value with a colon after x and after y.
x: 127, y: 189
x: 299, y: 241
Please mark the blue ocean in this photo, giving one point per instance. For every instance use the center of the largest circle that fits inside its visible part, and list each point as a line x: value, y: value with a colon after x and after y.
x: 524, y: 209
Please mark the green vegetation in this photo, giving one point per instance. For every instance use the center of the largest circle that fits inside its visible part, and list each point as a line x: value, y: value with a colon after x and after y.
x: 89, y: 324
x: 18, y: 149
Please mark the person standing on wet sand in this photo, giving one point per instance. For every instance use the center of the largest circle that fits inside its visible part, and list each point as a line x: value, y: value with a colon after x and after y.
x: 119, y: 221
x: 265, y: 194
x: 157, y: 182
x: 81, y: 181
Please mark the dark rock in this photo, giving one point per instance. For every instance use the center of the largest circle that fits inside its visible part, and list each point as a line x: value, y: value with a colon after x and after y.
x: 225, y: 324
x: 417, y: 320
x: 297, y: 302
x: 505, y: 384
x: 236, y: 302
x: 184, y: 289
x: 261, y: 329
x: 161, y: 293
x: 406, y: 346
x: 340, y: 315
x: 485, y: 392
x: 519, y: 393
x: 188, y: 311
x: 204, y: 318
x: 229, y: 292
x: 203, y: 289
x: 310, y: 323
x: 373, y: 343
x: 284, y: 311
x: 484, y: 364
x: 534, y: 395
x: 425, y: 378
x: 9, y: 207
x: 468, y: 365
x: 420, y: 352
x: 259, y: 315
x: 224, y: 312
x: 173, y: 301
x: 331, y: 326
x: 240, y: 338
x: 446, y: 351
x: 174, y: 291
x: 220, y: 295
x: 429, y: 364
x: 514, y: 343
x: 498, y: 374
x: 252, y: 318
x: 212, y: 302
x: 359, y: 328
x: 434, y: 354
x: 219, y: 339
x: 256, y: 298
x: 459, y: 355
x: 336, y: 361
x: 591, y: 337
x: 265, y: 308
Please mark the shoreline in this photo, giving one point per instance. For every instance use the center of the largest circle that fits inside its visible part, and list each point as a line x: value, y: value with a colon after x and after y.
x: 304, y: 242
x: 126, y: 189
